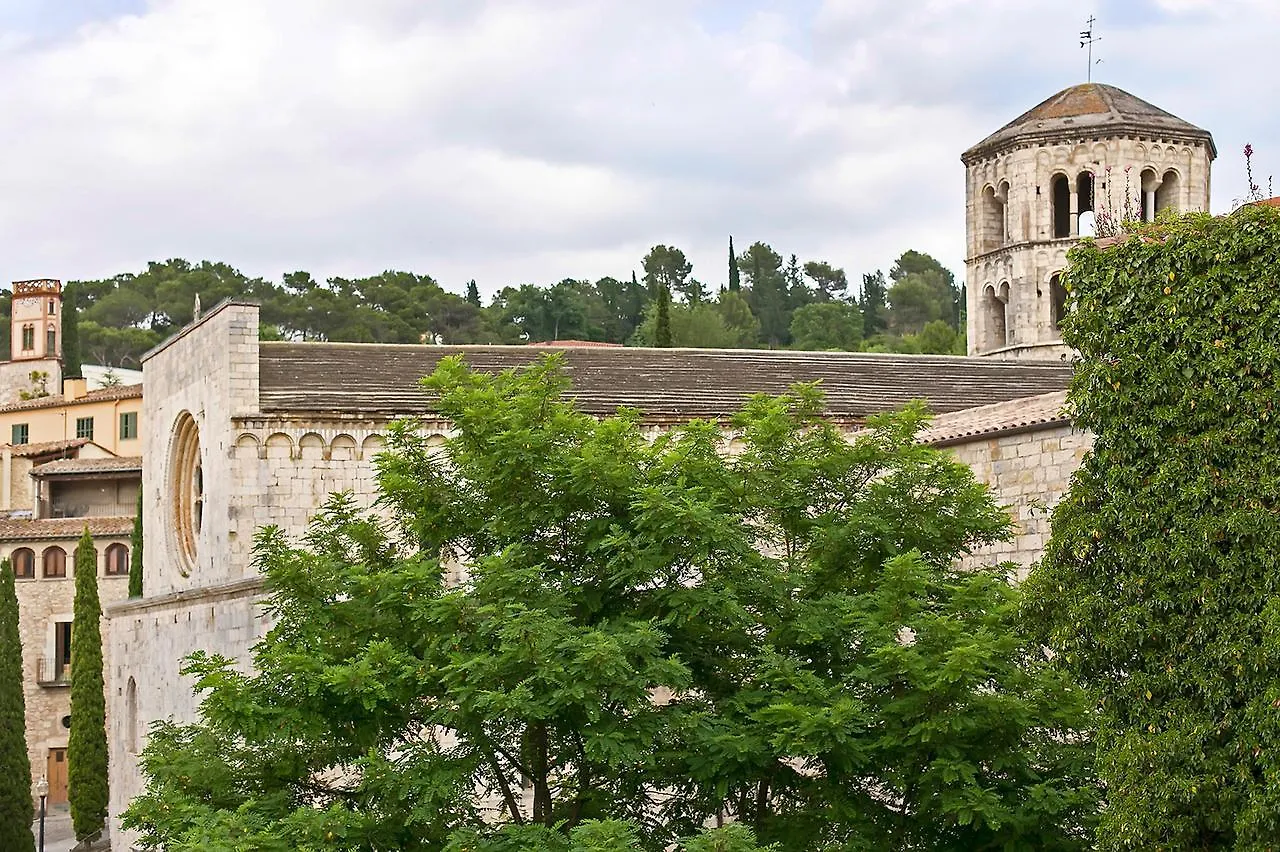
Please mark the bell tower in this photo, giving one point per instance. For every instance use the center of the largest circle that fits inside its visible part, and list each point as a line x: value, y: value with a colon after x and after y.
x: 1088, y: 155
x: 35, y: 332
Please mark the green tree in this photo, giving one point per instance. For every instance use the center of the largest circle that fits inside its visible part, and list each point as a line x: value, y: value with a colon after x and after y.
x: 738, y: 319
x: 872, y: 303
x: 827, y: 325
x: 940, y: 279
x: 768, y: 295
x: 700, y: 325
x: 662, y: 318
x: 473, y: 293
x: 87, y: 744
x: 71, y: 366
x: 939, y: 338
x: 135, y: 554
x: 735, y: 280
x: 15, y: 767
x: 846, y: 686
x: 1156, y: 590
x: 829, y: 283
x: 667, y: 266
x: 918, y: 299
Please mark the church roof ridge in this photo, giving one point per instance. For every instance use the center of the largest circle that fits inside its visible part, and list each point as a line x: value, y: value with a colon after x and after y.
x: 1089, y: 109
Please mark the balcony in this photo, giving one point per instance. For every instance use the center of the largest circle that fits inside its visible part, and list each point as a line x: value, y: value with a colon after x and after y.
x: 52, y: 672
x: 59, y: 509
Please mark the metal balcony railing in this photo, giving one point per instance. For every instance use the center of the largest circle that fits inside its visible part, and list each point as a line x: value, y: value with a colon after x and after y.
x: 52, y: 672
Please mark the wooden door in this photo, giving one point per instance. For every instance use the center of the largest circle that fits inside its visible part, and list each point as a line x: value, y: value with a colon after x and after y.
x: 57, y: 776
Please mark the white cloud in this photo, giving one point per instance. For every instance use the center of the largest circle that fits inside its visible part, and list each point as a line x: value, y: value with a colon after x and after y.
x: 514, y: 140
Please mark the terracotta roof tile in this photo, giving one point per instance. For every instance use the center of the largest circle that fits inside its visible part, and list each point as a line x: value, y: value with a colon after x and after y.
x: 44, y: 529
x: 44, y: 448
x: 662, y: 383
x: 1089, y: 109
x: 99, y: 395
x: 983, y: 421
x: 119, y: 464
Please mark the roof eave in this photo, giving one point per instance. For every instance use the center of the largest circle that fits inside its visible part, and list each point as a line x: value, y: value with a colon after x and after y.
x: 989, y: 146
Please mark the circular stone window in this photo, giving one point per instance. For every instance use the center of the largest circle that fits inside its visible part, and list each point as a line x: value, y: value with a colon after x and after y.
x: 186, y: 484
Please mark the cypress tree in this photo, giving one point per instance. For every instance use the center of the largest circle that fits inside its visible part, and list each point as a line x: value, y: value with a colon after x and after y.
x: 735, y: 280
x: 662, y: 329
x: 16, y: 810
x: 87, y: 745
x: 135, y: 556
x: 473, y: 293
x: 71, y: 366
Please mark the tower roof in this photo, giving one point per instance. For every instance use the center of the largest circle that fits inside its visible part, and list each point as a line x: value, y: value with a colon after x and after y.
x: 1089, y: 109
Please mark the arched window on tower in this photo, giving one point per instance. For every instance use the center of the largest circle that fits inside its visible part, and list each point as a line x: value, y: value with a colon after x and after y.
x: 1060, y: 197
x: 1169, y: 195
x: 993, y: 232
x: 1057, y: 299
x: 1148, y: 181
x: 994, y: 306
x: 1084, y: 193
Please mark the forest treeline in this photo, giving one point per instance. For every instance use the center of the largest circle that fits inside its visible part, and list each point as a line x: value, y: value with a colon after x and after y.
x: 768, y: 302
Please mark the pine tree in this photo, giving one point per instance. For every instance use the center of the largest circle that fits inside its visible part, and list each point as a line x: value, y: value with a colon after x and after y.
x: 473, y: 293
x: 15, y: 767
x: 87, y: 745
x: 735, y: 278
x: 662, y: 331
x: 135, y: 557
x: 71, y: 366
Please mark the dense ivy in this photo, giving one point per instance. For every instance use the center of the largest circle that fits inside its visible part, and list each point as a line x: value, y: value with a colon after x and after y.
x: 1159, y: 587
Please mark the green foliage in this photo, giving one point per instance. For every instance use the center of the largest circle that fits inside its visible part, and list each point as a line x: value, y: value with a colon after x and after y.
x: 87, y: 744
x: 768, y: 294
x: 15, y: 767
x: 829, y: 283
x: 827, y: 325
x: 666, y: 266
x: 704, y: 324
x: 1157, y: 590
x: 735, y: 279
x: 135, y: 552
x: 872, y: 303
x: 71, y: 362
x: 836, y: 682
x: 662, y: 318
x: 741, y: 325
x: 473, y: 293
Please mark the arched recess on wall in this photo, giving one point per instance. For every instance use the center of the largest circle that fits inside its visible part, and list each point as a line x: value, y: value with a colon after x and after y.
x: 992, y: 230
x: 994, y: 309
x: 1085, y: 195
x: 131, y: 716
x: 343, y: 448
x: 1169, y: 194
x: 311, y: 446
x: 248, y: 447
x: 1057, y: 299
x: 186, y: 489
x: 54, y: 560
x: 371, y: 446
x: 1060, y: 200
x: 24, y: 563
x: 279, y: 446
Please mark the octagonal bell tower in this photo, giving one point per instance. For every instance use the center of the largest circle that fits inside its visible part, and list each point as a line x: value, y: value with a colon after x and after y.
x: 1038, y: 184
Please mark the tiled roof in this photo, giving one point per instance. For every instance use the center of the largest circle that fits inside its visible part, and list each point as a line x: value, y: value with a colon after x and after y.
x: 1089, y: 109
x: 1017, y: 415
x: 44, y: 529
x: 44, y: 448
x: 99, y: 395
x: 563, y: 344
x: 662, y: 383
x: 118, y: 464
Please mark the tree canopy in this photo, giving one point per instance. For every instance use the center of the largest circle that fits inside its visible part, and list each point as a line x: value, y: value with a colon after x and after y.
x: 1158, y: 588
x: 559, y: 627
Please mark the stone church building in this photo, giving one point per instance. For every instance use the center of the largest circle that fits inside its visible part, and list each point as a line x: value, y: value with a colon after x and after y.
x: 241, y: 433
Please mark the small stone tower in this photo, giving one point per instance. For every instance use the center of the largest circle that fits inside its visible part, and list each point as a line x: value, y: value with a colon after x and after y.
x: 1039, y: 183
x: 36, y: 320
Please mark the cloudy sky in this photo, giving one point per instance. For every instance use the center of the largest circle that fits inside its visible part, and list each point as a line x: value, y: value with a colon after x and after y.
x: 532, y: 140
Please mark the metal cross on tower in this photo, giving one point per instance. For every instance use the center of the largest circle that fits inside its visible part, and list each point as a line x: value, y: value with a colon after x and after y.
x: 1087, y: 38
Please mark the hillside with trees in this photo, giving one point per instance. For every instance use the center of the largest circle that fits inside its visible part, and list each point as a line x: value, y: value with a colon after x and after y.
x: 770, y: 301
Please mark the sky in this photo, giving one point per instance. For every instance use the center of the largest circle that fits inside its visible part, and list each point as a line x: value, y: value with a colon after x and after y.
x: 517, y: 141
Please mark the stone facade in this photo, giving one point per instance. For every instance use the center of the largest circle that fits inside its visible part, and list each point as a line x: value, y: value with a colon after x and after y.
x: 1028, y: 189
x: 43, y: 604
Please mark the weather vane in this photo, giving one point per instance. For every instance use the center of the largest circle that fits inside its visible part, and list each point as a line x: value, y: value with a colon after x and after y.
x: 1087, y: 38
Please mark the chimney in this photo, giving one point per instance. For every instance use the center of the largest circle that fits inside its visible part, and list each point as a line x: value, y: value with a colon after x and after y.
x: 74, y: 388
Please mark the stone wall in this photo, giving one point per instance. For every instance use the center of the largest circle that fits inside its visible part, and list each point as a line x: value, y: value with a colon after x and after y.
x: 1028, y: 473
x: 42, y: 602
x: 15, y: 377
x: 1012, y: 252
